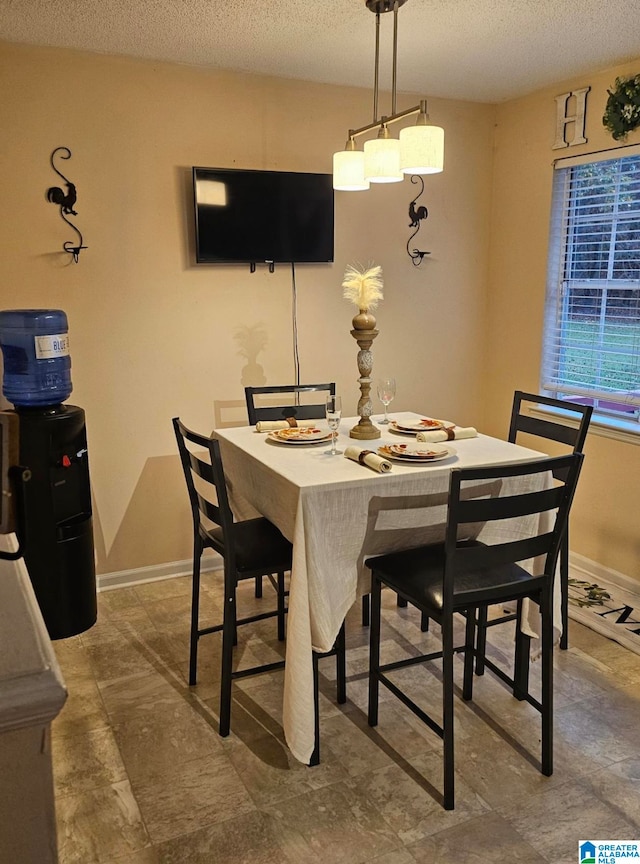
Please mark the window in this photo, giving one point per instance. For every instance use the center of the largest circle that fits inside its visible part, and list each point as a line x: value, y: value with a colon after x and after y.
x: 591, y: 350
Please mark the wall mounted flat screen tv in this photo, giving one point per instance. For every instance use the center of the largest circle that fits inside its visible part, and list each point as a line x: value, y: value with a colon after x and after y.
x: 245, y: 216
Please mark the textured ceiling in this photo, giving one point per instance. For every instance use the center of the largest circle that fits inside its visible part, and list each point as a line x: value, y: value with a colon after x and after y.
x: 485, y: 50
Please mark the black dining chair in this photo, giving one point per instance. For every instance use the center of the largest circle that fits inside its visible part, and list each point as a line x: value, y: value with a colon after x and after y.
x: 463, y: 575
x: 249, y: 549
x: 572, y: 434
x: 284, y: 401
x: 301, y: 411
x: 289, y: 403
x: 289, y: 394
x: 314, y: 411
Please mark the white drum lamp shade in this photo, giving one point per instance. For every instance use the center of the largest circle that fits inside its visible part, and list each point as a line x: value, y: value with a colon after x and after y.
x: 422, y: 149
x: 382, y: 160
x: 348, y: 171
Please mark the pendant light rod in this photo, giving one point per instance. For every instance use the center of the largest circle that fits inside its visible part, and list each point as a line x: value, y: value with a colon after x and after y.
x: 379, y: 7
x: 376, y: 70
x: 395, y: 58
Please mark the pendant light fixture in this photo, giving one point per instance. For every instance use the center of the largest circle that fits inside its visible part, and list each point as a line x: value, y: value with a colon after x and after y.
x: 419, y: 149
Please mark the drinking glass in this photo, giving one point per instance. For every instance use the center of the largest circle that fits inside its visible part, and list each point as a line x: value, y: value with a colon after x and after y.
x: 386, y: 392
x: 334, y: 415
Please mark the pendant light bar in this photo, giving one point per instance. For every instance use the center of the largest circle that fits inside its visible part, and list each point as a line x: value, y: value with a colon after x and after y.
x: 384, y: 120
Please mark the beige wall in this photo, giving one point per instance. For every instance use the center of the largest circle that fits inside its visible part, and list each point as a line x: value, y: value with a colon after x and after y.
x: 155, y: 336
x: 605, y: 517
x: 152, y: 335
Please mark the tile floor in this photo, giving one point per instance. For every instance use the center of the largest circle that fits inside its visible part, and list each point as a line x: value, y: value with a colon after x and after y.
x: 142, y: 776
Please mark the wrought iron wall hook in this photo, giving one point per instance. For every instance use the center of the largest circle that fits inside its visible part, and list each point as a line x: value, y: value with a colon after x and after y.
x: 66, y: 202
x: 416, y: 216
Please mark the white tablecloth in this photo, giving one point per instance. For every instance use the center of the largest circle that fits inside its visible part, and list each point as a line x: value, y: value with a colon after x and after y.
x: 337, y: 512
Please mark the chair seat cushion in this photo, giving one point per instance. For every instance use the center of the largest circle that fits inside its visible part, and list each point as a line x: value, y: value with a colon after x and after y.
x: 260, y: 547
x: 417, y: 574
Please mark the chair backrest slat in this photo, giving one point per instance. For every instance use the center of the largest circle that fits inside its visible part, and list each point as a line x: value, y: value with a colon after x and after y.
x: 290, y: 409
x: 472, y: 559
x: 209, y: 510
x: 545, y: 427
x: 481, y: 510
x: 201, y: 468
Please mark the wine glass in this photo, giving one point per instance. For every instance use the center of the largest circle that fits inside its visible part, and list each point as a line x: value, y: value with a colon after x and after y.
x: 334, y: 415
x: 386, y: 392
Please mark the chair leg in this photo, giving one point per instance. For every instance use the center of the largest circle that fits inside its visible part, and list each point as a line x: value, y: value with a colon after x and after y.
x: 341, y: 666
x: 228, y: 636
x: 481, y: 639
x: 401, y: 602
x: 521, y: 660
x: 374, y: 651
x: 195, y: 611
x: 315, y: 756
x: 546, y: 607
x: 470, y: 632
x: 564, y: 589
x: 281, y: 608
x: 424, y: 622
x: 258, y: 588
x: 366, y: 613
x: 341, y: 688
x: 447, y: 712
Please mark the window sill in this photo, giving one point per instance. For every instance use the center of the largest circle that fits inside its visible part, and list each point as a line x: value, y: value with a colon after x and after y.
x: 601, y: 424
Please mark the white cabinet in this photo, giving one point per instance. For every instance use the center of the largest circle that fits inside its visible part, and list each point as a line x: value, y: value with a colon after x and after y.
x: 32, y: 693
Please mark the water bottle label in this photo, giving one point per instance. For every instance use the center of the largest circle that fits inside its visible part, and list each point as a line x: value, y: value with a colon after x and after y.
x: 48, y: 347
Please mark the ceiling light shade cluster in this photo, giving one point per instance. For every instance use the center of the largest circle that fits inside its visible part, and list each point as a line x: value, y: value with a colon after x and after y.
x: 384, y: 159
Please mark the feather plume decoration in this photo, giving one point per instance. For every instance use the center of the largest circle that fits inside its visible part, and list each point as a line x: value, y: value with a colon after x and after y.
x: 363, y: 287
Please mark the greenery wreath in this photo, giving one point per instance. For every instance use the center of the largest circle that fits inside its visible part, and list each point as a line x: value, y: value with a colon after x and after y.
x: 622, y: 113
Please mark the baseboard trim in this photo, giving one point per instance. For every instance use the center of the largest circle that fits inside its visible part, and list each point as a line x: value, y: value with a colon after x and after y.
x: 155, y: 572
x: 625, y: 591
x: 617, y: 615
x: 598, y: 571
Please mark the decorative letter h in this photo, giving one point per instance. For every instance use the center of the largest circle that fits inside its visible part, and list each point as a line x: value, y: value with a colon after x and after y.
x: 562, y: 118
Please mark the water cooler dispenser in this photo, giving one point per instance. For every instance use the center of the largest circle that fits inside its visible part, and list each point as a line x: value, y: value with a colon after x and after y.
x: 54, y: 517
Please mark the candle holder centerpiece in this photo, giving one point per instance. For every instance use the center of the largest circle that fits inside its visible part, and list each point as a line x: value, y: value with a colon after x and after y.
x: 364, y: 289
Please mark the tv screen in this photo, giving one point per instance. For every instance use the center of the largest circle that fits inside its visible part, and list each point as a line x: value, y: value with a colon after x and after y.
x: 245, y: 216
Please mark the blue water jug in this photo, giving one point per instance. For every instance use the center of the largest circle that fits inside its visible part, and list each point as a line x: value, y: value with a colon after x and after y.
x: 35, y: 350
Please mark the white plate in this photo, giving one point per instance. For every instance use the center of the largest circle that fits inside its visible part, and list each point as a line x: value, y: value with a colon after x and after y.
x: 430, y: 425
x: 300, y: 435
x: 416, y: 452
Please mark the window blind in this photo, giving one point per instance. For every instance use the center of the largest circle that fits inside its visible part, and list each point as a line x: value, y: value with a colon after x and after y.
x: 591, y: 347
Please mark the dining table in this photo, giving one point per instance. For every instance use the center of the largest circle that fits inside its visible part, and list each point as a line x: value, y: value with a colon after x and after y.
x: 337, y: 512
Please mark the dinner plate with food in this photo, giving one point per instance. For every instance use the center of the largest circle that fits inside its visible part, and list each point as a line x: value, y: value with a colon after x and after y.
x: 426, y: 424
x: 416, y: 452
x: 300, y: 435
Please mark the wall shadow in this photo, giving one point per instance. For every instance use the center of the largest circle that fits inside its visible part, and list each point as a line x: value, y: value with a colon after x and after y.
x: 156, y: 526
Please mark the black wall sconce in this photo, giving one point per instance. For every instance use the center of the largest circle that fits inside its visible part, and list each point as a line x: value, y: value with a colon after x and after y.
x: 66, y: 201
x: 416, y: 216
